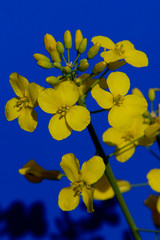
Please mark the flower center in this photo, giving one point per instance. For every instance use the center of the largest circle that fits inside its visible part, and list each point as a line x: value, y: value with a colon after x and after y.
x: 119, y: 49
x: 63, y: 110
x: 78, y: 187
x: 128, y: 136
x: 118, y: 100
x: 21, y: 103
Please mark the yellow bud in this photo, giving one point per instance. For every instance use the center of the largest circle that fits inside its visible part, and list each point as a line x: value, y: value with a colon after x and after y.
x: 55, y: 56
x: 83, y: 65
x: 44, y: 64
x: 114, y: 65
x: 49, y: 43
x: 146, y: 114
x: 67, y: 39
x: 99, y: 67
x: 78, y: 81
x: 60, y: 47
x: 42, y: 57
x: 57, y: 65
x: 93, y: 51
x: 78, y: 38
x: 151, y: 94
x: 82, y: 46
x: 66, y: 69
x: 52, y: 80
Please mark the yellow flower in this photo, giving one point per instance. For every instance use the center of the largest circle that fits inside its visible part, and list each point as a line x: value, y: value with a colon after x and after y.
x: 104, y: 191
x: 122, y: 108
x: 153, y: 202
x: 154, y: 179
x: 34, y: 173
x: 22, y: 106
x: 121, y: 50
x: 154, y: 129
x: 66, y: 115
x: 120, y: 138
x: 81, y: 181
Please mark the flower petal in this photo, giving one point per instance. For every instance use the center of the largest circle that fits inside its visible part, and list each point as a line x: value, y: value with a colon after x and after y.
x: 28, y: 119
x: 32, y: 93
x: 104, y: 41
x: 136, y: 58
x: 49, y: 101
x: 70, y: 166
x: 126, y: 44
x: 118, y: 83
x: 135, y: 104
x: 11, y: 111
x: 119, y: 117
x: 112, y: 136
x: 126, y: 153
x: 18, y: 83
x: 87, y: 196
x: 154, y: 179
x: 69, y: 93
x: 59, y: 128
x: 67, y: 200
x: 110, y: 56
x: 78, y: 117
x: 102, y: 97
x: 92, y: 169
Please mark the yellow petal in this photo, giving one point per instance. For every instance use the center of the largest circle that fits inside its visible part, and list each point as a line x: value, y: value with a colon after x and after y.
x: 154, y: 179
x: 92, y: 169
x: 11, y: 111
x: 78, y: 118
x: 49, y: 101
x: 70, y: 166
x: 158, y: 204
x: 59, y: 128
x: 18, y: 83
x: 136, y: 58
x: 118, y: 83
x: 110, y: 56
x: 104, y: 41
x: 87, y: 196
x: 113, y: 137
x: 102, y: 97
x: 32, y: 93
x: 69, y: 93
x: 127, y: 45
x: 126, y: 153
x: 67, y: 200
x: 28, y: 119
x: 119, y: 117
x: 135, y: 104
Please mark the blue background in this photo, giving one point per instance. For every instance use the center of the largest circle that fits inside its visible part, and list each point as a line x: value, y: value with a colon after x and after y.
x: 30, y: 211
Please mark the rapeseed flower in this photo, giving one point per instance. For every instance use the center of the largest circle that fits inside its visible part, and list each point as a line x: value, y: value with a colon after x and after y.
x: 121, y: 50
x: 154, y: 179
x: 81, y: 181
x: 22, y: 106
x: 66, y: 115
x: 122, y: 108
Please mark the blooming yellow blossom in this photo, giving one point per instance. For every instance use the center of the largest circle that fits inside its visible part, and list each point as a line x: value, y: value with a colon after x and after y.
x: 22, y: 106
x: 104, y: 191
x: 153, y: 202
x: 121, y: 50
x: 154, y: 179
x: 120, y: 138
x: 122, y: 108
x: 81, y: 181
x: 34, y: 173
x: 66, y: 115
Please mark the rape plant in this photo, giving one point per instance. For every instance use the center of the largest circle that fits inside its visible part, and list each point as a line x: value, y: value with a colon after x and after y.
x: 131, y: 123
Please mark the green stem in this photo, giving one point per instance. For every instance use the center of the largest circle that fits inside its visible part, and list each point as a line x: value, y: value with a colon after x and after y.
x: 112, y: 180
x: 64, y: 58
x: 75, y: 59
x: 156, y: 235
x: 68, y: 56
x: 139, y: 185
x: 147, y: 230
x: 97, y: 111
x: 87, y: 77
x: 153, y: 153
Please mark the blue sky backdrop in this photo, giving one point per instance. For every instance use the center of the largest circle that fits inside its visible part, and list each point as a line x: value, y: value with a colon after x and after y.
x: 30, y: 211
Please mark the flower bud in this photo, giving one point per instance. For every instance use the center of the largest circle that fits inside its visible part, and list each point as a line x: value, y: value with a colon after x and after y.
x: 42, y: 57
x: 78, y: 81
x: 93, y: 51
x: 78, y: 38
x: 151, y: 94
x: 67, y: 39
x: 114, y: 65
x: 52, y: 80
x: 57, y: 65
x: 82, y: 46
x: 44, y: 64
x: 83, y: 65
x: 55, y: 56
x: 146, y: 114
x: 50, y: 46
x: 60, y: 47
x: 66, y: 70
x: 99, y: 67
